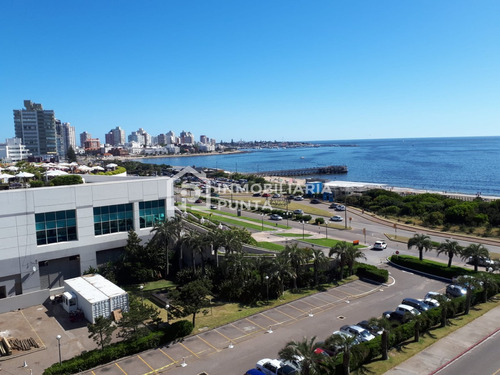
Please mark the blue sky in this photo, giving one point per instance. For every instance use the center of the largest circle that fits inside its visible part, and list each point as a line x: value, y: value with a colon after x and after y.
x: 256, y: 70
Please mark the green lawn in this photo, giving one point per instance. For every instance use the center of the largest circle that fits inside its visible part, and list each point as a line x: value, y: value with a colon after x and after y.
x: 327, y: 242
x: 270, y: 246
x: 228, y: 220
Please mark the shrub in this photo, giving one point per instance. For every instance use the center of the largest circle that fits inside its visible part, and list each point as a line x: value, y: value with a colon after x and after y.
x: 36, y: 183
x: 70, y: 179
x: 372, y: 273
x: 319, y: 220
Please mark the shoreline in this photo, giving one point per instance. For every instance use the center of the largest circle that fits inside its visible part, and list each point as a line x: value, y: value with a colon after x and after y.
x: 138, y: 157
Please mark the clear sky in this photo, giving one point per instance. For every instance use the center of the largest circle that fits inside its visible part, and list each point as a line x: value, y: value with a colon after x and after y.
x: 255, y: 69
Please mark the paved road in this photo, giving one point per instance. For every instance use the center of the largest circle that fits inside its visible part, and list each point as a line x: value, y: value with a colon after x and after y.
x: 209, y: 351
x: 481, y: 359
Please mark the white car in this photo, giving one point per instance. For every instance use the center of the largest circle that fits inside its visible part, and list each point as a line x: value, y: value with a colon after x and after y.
x: 379, y: 245
x: 336, y: 218
x: 275, y: 217
x: 432, y: 303
x: 298, y: 198
x: 275, y: 367
x: 406, y: 308
x: 362, y: 334
x: 435, y: 296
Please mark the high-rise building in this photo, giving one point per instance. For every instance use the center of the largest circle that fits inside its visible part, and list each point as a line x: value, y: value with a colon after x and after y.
x: 36, y: 128
x: 83, y: 137
x: 187, y: 138
x: 116, y: 137
x: 65, y: 138
x: 140, y: 136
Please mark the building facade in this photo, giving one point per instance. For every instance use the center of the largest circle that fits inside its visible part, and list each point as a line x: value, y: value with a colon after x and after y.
x: 36, y: 128
x: 13, y: 150
x: 54, y: 233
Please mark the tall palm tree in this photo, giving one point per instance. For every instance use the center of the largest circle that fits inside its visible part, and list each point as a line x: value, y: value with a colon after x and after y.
x: 469, y: 283
x: 450, y: 248
x: 351, y: 255
x: 320, y: 260
x: 345, y: 344
x: 298, y: 257
x: 488, y: 283
x: 421, y: 242
x: 305, y: 350
x: 475, y: 251
x: 195, y: 242
x: 282, y: 269
x: 340, y: 252
x: 166, y: 235
x: 386, y: 326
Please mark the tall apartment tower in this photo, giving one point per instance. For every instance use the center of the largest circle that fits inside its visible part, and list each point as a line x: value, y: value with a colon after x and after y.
x: 117, y: 136
x: 37, y: 129
x: 65, y: 138
x: 83, y: 137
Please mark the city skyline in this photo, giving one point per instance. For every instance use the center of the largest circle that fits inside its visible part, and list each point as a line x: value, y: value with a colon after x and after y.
x: 256, y: 71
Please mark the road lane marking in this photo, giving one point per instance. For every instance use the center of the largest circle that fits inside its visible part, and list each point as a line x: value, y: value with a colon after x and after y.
x: 173, y: 360
x: 296, y: 308
x: 147, y: 364
x: 227, y: 338
x: 262, y: 328
x: 281, y: 312
x: 206, y: 342
x: 265, y: 316
x: 117, y: 365
x: 189, y: 350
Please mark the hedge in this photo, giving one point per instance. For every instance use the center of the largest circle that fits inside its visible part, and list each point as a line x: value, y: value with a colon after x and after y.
x: 96, y: 357
x: 370, y: 272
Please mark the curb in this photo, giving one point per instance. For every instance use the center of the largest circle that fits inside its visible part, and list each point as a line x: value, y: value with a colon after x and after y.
x: 464, y: 352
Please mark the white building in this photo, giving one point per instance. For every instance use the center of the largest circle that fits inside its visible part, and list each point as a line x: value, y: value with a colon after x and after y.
x: 13, y: 150
x: 51, y: 234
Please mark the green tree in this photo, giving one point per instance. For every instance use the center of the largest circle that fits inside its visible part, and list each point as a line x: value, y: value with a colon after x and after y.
x: 166, y: 235
x: 344, y: 343
x: 450, y: 248
x: 469, y: 283
x: 421, y: 242
x: 475, y: 252
x: 281, y: 271
x: 132, y: 323
x: 298, y: 257
x: 101, y: 331
x: 352, y: 254
x: 340, y: 251
x: 488, y: 284
x: 70, y: 155
x: 191, y: 298
x: 320, y: 260
x: 195, y: 243
x: 305, y: 350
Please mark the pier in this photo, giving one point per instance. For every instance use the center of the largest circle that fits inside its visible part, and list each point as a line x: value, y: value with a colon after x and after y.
x: 331, y: 169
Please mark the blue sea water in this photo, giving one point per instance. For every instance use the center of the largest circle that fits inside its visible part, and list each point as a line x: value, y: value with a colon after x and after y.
x: 464, y: 165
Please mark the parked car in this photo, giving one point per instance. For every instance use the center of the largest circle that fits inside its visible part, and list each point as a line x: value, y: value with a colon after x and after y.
x: 274, y: 367
x: 454, y: 291
x: 276, y: 195
x: 407, y: 308
x: 315, y: 201
x: 266, y: 195
x: 373, y: 329
x: 198, y: 201
x: 379, y: 245
x: 333, y: 205
x: 298, y: 198
x: 213, y: 207
x: 415, y: 303
x: 362, y: 334
x: 432, y: 303
x: 345, y: 335
x: 340, y: 207
x: 336, y: 218
x: 256, y: 195
x: 483, y: 262
x: 275, y: 217
x: 398, y: 316
x: 254, y: 371
x: 298, y: 212
x: 436, y: 296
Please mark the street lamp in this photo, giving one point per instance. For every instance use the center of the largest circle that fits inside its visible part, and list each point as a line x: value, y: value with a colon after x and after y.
x: 303, y: 228
x: 262, y: 216
x: 141, y: 287
x: 58, y: 337
x: 326, y: 229
x: 267, y: 289
x: 167, y: 306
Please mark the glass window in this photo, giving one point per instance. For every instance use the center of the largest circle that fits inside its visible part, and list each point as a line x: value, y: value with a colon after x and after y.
x: 151, y: 213
x: 53, y: 227
x: 112, y: 219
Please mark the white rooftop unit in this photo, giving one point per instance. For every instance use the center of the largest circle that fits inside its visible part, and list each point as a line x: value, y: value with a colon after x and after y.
x: 95, y: 296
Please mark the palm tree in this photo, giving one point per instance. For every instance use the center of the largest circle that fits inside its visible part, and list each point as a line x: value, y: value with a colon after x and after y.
x: 305, y: 350
x: 166, y: 235
x: 282, y: 269
x: 320, y: 260
x: 345, y: 344
x: 469, y: 283
x: 298, y: 257
x: 340, y: 251
x: 386, y: 326
x: 475, y: 252
x: 488, y: 283
x: 450, y: 248
x: 421, y: 242
x: 195, y: 242
x: 351, y: 255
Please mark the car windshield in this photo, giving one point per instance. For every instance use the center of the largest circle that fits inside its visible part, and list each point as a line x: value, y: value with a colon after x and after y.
x: 287, y: 370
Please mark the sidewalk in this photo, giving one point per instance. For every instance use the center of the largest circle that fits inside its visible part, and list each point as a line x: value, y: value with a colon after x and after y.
x: 450, y: 347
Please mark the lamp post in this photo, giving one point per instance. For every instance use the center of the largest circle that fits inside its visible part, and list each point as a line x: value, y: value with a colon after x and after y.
x: 326, y: 229
x: 267, y: 289
x: 58, y: 337
x: 141, y: 287
x: 262, y: 216
x: 167, y: 306
x: 303, y: 228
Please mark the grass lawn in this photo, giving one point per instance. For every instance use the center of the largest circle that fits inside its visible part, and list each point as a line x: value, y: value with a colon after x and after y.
x: 270, y: 246
x: 228, y: 220
x: 292, y: 235
x: 222, y: 313
x: 327, y: 242
x: 411, y: 348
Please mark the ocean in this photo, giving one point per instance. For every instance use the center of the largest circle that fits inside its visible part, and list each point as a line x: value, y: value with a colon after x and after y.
x: 467, y: 165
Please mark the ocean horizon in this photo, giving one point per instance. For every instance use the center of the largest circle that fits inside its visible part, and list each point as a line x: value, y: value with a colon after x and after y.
x: 469, y: 165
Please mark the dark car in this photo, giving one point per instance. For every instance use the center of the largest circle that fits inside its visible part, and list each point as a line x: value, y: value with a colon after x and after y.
x: 333, y: 205
x: 198, y: 201
x: 315, y: 201
x: 256, y: 195
x: 254, y: 371
x: 419, y: 305
x: 455, y: 291
x: 373, y: 329
x: 397, y: 316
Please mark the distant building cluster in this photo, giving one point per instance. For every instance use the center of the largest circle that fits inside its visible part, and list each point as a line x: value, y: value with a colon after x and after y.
x: 39, y: 135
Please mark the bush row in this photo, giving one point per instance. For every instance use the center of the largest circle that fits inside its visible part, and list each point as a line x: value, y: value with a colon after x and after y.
x: 373, y: 273
x: 430, y: 267
x: 121, y: 349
